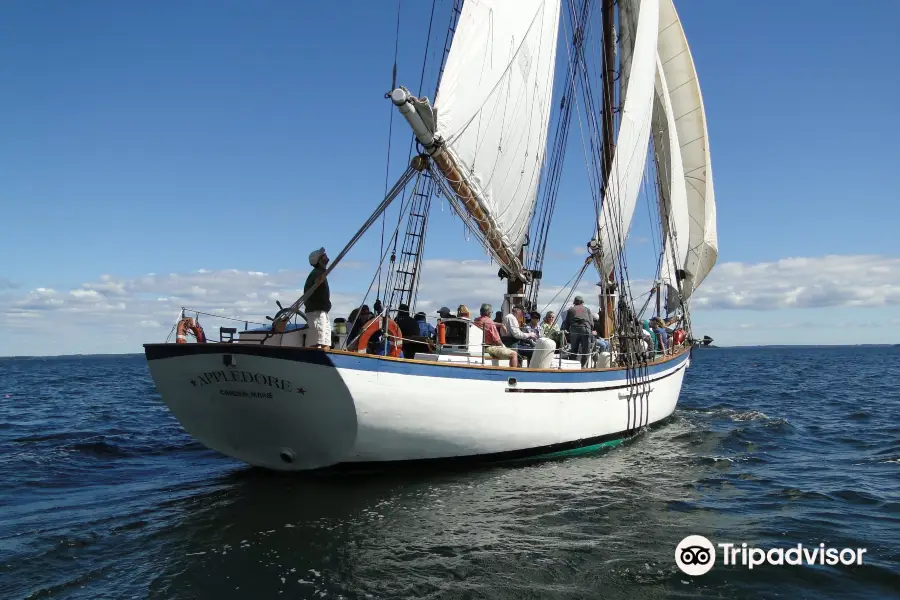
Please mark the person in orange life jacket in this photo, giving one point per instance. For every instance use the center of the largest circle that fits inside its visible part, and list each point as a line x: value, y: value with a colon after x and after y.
x: 318, y: 304
x: 579, y: 323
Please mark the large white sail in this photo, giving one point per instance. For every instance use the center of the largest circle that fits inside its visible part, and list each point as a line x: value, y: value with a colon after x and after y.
x: 633, y: 138
x: 494, y: 102
x: 690, y: 121
x: 673, y: 202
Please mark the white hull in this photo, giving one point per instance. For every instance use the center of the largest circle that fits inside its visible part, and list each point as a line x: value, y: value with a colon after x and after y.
x: 299, y: 408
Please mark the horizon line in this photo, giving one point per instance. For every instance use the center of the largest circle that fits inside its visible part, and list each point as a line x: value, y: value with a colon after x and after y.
x: 715, y: 347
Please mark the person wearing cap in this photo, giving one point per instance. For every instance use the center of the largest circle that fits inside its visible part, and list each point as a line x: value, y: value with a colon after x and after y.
x: 579, y: 323
x: 318, y: 304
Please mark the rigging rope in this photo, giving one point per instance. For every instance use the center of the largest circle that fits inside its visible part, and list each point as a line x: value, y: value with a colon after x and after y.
x: 383, y: 255
x: 553, y: 176
x: 387, y: 169
x: 394, y: 265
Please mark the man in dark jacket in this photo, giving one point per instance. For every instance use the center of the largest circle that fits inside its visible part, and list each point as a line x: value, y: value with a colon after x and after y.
x: 409, y: 329
x: 318, y: 304
x: 579, y: 322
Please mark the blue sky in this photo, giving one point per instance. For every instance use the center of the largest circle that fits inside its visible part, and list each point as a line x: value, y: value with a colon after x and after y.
x: 169, y: 137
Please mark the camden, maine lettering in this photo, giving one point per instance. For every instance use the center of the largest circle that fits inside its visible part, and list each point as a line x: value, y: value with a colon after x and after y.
x: 235, y: 376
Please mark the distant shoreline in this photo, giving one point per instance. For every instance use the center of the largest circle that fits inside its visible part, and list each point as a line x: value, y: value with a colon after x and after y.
x: 714, y: 347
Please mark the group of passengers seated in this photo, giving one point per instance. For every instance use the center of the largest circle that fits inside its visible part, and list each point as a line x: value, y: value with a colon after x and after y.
x: 659, y: 333
x: 506, y: 337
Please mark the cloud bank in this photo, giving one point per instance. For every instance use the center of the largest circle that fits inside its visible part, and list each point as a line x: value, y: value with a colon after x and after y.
x: 115, y: 314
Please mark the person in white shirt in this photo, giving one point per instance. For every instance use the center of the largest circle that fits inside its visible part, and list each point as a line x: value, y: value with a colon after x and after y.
x: 512, y: 324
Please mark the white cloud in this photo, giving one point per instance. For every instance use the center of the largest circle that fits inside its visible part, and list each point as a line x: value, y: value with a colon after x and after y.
x: 118, y: 314
x: 827, y: 281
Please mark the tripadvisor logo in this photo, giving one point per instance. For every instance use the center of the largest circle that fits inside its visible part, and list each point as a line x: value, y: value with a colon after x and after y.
x: 696, y: 555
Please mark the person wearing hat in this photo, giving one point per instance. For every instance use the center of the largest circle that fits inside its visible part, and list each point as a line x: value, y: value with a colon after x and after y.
x: 579, y: 323
x: 318, y: 304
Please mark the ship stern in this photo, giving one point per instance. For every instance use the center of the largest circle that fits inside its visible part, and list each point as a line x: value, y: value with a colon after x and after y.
x: 283, y: 410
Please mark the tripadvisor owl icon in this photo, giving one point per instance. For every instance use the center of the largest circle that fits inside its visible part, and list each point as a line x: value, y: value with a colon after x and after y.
x: 695, y: 555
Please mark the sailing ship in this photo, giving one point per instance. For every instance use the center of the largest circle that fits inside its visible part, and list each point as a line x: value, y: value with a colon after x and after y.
x: 271, y: 398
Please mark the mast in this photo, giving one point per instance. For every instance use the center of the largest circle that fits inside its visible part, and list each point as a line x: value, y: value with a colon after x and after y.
x: 607, y: 16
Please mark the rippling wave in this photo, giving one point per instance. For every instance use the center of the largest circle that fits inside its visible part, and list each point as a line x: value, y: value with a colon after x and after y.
x: 105, y: 496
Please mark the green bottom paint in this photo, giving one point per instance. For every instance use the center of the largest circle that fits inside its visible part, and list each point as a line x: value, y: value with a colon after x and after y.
x: 573, y: 452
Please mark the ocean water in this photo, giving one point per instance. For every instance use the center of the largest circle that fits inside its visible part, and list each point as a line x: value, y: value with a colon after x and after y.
x: 104, y: 496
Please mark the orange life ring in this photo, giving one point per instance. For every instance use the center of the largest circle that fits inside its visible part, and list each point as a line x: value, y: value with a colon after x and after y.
x: 394, y: 336
x: 188, y: 324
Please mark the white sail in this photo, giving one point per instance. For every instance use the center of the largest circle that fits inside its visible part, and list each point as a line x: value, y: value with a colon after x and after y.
x: 690, y: 121
x: 494, y: 102
x: 673, y: 200
x: 632, y: 142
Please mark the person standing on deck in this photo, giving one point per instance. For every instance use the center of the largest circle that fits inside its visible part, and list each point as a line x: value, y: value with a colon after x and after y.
x: 579, y: 322
x: 318, y: 304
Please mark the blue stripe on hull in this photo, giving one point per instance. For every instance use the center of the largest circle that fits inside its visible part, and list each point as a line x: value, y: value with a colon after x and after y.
x: 399, y: 367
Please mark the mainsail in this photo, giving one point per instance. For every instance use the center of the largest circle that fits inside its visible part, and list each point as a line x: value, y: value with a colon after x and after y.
x: 488, y: 130
x: 632, y: 141
x: 690, y: 122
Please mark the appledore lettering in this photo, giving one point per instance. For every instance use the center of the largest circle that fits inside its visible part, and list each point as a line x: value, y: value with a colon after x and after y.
x: 234, y: 376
